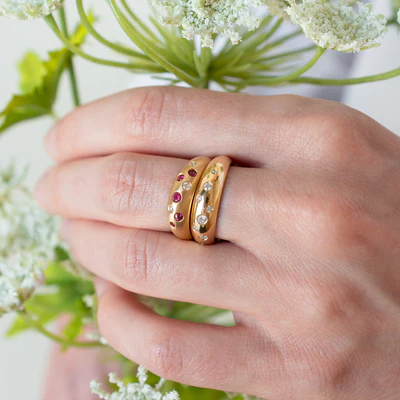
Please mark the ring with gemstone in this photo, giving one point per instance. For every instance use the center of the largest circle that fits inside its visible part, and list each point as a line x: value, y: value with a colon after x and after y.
x: 182, y: 195
x: 207, y: 200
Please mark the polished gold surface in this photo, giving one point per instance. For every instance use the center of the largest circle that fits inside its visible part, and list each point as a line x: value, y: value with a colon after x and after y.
x: 207, y: 200
x: 182, y: 194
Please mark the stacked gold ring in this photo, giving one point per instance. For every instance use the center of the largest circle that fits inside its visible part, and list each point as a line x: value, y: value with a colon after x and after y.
x: 195, y: 199
x: 182, y: 194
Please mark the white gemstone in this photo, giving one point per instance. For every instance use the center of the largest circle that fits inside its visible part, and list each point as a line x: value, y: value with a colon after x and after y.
x: 214, y: 172
x: 171, y: 209
x: 202, y: 219
x: 192, y: 164
x: 204, y: 238
x: 199, y: 199
x: 195, y: 228
x: 209, y: 209
x: 208, y: 186
x: 186, y: 185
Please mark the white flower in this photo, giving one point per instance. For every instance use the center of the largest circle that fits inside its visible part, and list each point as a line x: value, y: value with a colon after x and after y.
x: 28, y: 9
x: 278, y: 8
x: 27, y: 240
x: 398, y: 17
x: 337, y: 25
x: 208, y: 18
x: 133, y: 391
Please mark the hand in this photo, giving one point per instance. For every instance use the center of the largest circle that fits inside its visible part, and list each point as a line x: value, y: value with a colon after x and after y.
x: 310, y: 264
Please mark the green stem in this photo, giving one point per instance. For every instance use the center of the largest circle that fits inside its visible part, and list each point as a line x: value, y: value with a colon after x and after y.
x: 349, y: 81
x: 272, y: 81
x: 113, y: 46
x: 58, y: 339
x: 140, y: 66
x: 71, y: 68
x: 138, y: 21
x: 148, y: 49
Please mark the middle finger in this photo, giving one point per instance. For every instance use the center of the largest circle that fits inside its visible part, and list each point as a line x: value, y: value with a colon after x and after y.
x: 132, y: 190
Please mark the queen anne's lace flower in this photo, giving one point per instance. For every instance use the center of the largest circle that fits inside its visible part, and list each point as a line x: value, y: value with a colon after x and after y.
x: 337, y: 25
x: 27, y: 240
x: 133, y: 391
x: 208, y: 18
x: 28, y: 9
x: 278, y: 8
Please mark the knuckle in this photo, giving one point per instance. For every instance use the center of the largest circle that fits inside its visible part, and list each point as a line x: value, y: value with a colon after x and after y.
x: 125, y: 185
x: 138, y: 259
x: 151, y: 113
x: 167, y: 356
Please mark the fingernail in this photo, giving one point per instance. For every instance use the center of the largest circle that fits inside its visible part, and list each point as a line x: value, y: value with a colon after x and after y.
x: 65, y: 230
x: 50, y: 143
x: 101, y: 286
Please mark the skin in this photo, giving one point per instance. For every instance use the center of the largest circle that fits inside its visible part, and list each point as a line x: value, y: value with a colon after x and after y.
x: 310, y: 218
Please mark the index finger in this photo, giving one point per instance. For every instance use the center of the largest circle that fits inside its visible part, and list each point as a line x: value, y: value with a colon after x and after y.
x: 175, y: 122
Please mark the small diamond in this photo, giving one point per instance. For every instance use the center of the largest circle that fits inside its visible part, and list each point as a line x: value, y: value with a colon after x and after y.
x: 171, y: 209
x: 186, y: 185
x: 199, y: 199
x: 202, y: 219
x: 180, y: 177
x: 214, y: 172
x: 208, y: 186
x: 195, y: 228
x: 192, y: 164
x: 204, y: 238
x: 172, y: 224
x: 209, y: 209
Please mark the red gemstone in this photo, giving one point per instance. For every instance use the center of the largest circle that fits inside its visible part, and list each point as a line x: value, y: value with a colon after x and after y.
x: 172, y: 224
x: 192, y: 173
x: 176, y: 197
x: 181, y: 177
x: 178, y: 217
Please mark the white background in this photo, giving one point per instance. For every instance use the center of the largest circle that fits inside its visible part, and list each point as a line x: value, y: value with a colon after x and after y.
x: 23, y: 359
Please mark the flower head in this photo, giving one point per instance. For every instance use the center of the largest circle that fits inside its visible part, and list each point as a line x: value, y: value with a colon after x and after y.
x: 278, y: 8
x: 28, y: 9
x: 208, y: 18
x: 338, y: 25
x: 27, y: 240
x: 133, y: 391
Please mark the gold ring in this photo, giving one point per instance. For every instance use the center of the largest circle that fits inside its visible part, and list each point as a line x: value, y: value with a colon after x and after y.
x: 207, y: 201
x: 182, y: 195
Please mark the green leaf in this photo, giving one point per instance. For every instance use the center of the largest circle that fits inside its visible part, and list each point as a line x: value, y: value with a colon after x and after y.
x: 32, y: 72
x: 73, y: 329
x: 38, y: 102
x: 39, y: 84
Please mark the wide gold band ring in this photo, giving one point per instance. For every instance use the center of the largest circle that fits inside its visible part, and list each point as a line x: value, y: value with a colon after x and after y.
x: 207, y: 200
x: 182, y: 196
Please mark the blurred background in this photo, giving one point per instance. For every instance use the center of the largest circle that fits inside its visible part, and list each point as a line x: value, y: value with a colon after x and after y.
x: 23, y: 359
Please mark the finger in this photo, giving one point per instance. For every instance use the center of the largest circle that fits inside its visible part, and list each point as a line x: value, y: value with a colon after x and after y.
x: 181, y: 122
x: 133, y: 190
x: 158, y: 265
x: 196, y: 354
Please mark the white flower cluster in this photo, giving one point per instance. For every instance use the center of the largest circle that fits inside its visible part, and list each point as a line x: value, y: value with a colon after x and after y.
x: 208, y: 18
x: 278, y: 8
x: 27, y: 240
x: 337, y: 25
x: 28, y: 9
x: 133, y: 391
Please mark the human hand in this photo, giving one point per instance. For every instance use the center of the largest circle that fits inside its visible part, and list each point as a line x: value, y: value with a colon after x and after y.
x: 310, y: 219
